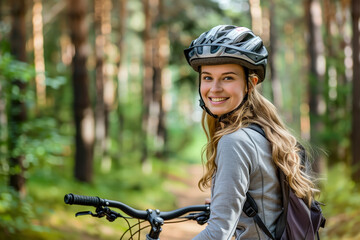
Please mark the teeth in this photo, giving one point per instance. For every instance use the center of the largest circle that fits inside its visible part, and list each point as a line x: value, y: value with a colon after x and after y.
x: 218, y: 99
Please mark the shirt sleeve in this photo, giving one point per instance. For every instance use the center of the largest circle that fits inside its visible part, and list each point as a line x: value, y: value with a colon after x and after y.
x: 235, y: 158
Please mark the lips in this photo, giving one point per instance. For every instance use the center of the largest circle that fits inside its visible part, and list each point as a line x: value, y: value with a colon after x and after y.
x: 218, y: 100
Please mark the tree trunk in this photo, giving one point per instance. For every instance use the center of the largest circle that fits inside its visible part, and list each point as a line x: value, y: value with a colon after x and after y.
x: 147, y: 80
x: 338, y: 78
x: 108, y: 75
x: 256, y: 17
x: 1, y: 10
x: 355, y: 13
x: 83, y: 113
x: 39, y: 52
x: 100, y: 125
x: 275, y: 81
x: 154, y: 61
x: 160, y: 62
x: 104, y: 82
x: 122, y: 72
x: 3, y: 116
x: 316, y: 75
x: 17, y: 112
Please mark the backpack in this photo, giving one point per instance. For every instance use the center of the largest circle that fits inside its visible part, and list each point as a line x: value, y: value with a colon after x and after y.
x: 297, y: 220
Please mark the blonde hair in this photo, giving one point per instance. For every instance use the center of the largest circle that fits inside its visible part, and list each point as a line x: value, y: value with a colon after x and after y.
x: 259, y: 110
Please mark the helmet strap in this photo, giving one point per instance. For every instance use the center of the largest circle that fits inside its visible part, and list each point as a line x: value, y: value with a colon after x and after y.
x: 201, y: 101
x: 202, y: 105
x: 222, y: 117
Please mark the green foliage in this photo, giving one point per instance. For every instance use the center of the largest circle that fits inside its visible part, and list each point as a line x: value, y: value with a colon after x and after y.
x: 337, y: 120
x: 341, y: 197
x: 38, y: 140
x: 42, y: 143
x: 12, y: 69
x: 16, y: 213
x: 55, y: 82
x: 340, y: 194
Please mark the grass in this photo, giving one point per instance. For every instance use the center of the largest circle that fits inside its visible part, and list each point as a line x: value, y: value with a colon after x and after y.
x: 342, y: 210
x: 53, y: 220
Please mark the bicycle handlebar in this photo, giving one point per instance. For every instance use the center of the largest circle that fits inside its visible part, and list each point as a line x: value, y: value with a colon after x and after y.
x: 82, y: 200
x: 139, y: 214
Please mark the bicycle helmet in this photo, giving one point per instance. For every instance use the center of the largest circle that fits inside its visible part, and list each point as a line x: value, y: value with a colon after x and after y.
x: 225, y: 44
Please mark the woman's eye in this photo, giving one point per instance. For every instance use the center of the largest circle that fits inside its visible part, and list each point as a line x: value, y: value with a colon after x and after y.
x: 207, y: 78
x: 228, y: 78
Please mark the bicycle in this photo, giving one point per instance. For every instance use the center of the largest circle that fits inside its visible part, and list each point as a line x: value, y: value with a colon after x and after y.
x: 155, y: 218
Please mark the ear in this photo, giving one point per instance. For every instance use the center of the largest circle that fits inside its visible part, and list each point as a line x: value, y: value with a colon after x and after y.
x: 254, y: 80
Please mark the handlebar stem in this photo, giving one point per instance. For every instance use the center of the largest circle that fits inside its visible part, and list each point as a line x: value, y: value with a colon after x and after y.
x: 156, y: 222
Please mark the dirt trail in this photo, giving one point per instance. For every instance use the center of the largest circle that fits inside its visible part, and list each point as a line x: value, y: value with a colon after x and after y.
x: 187, y: 195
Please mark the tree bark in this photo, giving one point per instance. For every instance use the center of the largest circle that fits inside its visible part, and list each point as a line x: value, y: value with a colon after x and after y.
x: 39, y: 61
x: 1, y: 10
x: 122, y: 71
x: 355, y: 13
x: 155, y: 36
x: 83, y: 113
x: 104, y: 79
x: 100, y: 125
x: 148, y: 79
x: 160, y: 62
x: 316, y: 74
x: 256, y: 17
x: 275, y: 81
x: 17, y: 111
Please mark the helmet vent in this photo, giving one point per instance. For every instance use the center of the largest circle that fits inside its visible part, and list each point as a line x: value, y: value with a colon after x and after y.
x: 191, y: 53
x: 231, y: 51
x: 214, y: 49
x: 223, y: 40
x: 247, y: 38
x: 221, y: 34
x: 229, y: 27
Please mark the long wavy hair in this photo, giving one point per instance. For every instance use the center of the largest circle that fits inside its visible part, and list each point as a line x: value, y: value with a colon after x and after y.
x: 259, y: 110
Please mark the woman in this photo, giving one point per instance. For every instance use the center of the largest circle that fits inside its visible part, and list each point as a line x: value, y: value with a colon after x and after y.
x: 231, y: 61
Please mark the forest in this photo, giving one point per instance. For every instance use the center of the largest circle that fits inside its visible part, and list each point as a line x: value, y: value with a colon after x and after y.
x: 96, y: 98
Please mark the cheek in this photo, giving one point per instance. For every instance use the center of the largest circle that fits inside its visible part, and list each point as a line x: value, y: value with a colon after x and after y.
x: 237, y: 91
x: 204, y: 89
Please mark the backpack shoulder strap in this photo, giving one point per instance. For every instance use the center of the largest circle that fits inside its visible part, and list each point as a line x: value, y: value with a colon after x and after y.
x: 257, y: 128
x: 250, y: 207
x: 251, y: 210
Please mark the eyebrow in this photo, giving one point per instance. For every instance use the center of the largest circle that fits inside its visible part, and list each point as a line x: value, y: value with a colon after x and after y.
x: 225, y: 73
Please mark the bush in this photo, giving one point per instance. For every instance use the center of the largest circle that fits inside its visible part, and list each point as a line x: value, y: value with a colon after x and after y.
x: 342, y: 204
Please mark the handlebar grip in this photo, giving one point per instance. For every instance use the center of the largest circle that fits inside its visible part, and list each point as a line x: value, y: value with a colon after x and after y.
x: 82, y: 200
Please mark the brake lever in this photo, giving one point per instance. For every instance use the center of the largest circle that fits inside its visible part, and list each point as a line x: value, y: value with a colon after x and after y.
x: 100, y: 212
x: 85, y: 213
x: 201, y: 218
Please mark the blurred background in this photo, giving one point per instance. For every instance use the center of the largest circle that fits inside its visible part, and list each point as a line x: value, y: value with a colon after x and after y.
x: 96, y: 98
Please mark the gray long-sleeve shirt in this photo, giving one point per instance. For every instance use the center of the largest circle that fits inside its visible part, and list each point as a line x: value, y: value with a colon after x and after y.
x: 244, y: 163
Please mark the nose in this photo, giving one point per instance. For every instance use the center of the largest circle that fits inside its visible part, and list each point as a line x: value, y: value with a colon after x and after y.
x: 216, y: 86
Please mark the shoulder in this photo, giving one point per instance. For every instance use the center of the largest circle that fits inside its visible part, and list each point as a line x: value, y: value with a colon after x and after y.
x: 236, y: 151
x: 240, y: 143
x: 244, y: 137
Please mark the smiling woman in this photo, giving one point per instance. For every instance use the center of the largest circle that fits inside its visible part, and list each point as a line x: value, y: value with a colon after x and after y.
x: 231, y: 61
